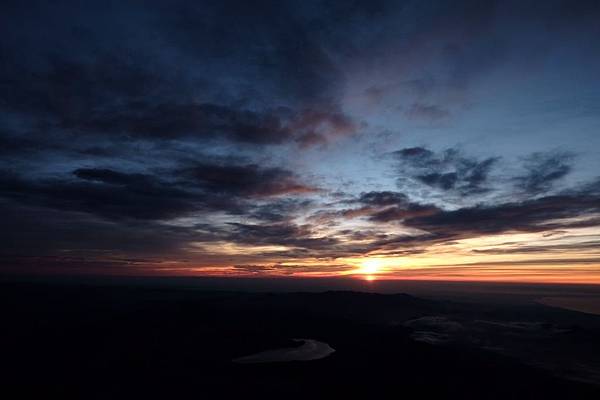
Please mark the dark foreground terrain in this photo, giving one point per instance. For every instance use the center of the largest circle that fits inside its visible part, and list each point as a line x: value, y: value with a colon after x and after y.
x: 107, y: 342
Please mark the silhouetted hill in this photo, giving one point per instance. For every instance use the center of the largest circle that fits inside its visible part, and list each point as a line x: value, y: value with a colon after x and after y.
x: 95, y: 342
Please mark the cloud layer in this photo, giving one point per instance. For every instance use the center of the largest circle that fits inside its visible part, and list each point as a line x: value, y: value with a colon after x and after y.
x: 279, y: 139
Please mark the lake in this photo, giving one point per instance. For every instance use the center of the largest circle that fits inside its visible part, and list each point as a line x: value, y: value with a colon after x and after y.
x: 309, y: 350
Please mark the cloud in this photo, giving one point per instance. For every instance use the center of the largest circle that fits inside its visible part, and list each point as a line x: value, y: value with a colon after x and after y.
x: 544, y: 170
x: 209, y: 121
x: 447, y: 171
x: 131, y: 118
x: 278, y: 86
x: 430, y: 112
x: 277, y: 39
x: 385, y: 198
x: 411, y: 210
x: 375, y: 205
x: 33, y: 233
x: 69, y: 91
x: 246, y: 180
x: 111, y: 195
x: 380, y: 206
x: 111, y: 177
x: 289, y: 270
x: 548, y: 248
x: 280, y: 210
x: 199, y: 121
x: 283, y: 234
x: 432, y: 225
x: 114, y: 194
x: 314, y: 127
x: 537, y: 215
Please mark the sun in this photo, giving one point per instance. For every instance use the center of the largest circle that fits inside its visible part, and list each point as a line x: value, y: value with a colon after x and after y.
x: 370, y: 266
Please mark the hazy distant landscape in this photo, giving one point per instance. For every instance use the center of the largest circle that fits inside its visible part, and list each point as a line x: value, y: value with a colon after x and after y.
x: 85, y: 340
x: 590, y: 305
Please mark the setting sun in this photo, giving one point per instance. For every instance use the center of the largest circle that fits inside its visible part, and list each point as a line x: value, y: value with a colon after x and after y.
x: 370, y: 266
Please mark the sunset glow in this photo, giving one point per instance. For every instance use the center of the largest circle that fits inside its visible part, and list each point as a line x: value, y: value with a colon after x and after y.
x: 370, y: 266
x: 365, y: 145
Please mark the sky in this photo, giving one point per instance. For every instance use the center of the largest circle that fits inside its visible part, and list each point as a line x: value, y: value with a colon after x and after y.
x: 435, y: 140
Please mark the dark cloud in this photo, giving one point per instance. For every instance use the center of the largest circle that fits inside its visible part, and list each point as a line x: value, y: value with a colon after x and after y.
x: 110, y: 194
x: 101, y: 214
x: 410, y: 210
x: 543, y: 171
x: 537, y: 215
x: 314, y: 127
x: 201, y: 121
x: 418, y: 156
x: 370, y: 203
x: 385, y: 198
x: 542, y: 249
x: 33, y: 231
x: 116, y: 84
x: 429, y: 112
x: 11, y: 145
x: 70, y: 91
x: 287, y: 269
x: 284, y: 234
x: 592, y: 187
x: 280, y: 210
x: 112, y: 177
x: 440, y: 226
x: 115, y: 194
x: 213, y: 121
x: 448, y: 170
x: 255, y: 269
x: 246, y: 180
x: 275, y: 37
x: 117, y: 106
x: 384, y: 206
x: 445, y: 181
